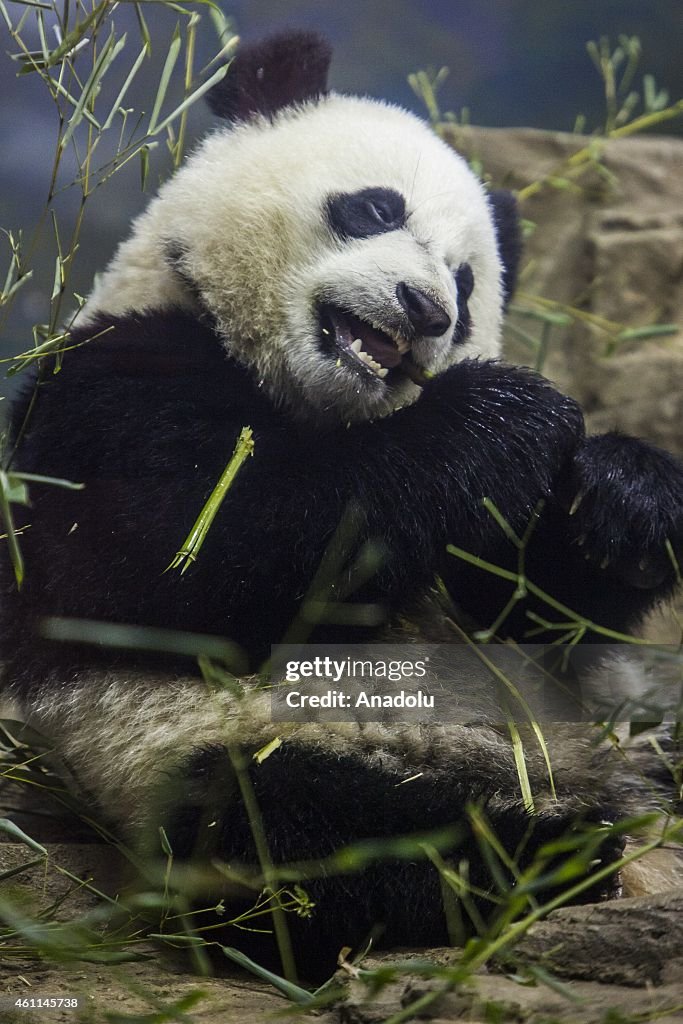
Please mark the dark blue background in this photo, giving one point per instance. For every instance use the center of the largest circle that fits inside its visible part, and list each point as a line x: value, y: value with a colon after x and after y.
x: 512, y: 62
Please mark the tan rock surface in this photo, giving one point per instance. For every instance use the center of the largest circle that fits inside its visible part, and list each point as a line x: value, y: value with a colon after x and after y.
x: 610, y: 243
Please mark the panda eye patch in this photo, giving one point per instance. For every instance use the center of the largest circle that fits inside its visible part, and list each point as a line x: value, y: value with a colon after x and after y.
x: 464, y: 281
x: 371, y: 211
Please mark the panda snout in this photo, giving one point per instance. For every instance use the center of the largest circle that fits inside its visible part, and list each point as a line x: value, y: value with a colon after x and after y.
x: 426, y: 316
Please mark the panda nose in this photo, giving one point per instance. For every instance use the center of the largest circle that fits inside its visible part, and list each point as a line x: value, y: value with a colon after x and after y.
x: 424, y: 314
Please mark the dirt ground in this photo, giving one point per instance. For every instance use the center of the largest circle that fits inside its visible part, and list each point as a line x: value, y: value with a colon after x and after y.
x: 609, y: 963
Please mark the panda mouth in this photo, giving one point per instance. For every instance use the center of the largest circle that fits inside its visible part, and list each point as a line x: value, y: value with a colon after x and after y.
x: 365, y: 346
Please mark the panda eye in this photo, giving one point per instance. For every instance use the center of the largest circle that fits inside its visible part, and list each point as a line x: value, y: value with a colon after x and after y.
x: 464, y: 281
x: 381, y: 211
x: 371, y: 211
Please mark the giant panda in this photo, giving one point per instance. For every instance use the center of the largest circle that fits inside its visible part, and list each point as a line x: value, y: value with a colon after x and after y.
x: 327, y: 271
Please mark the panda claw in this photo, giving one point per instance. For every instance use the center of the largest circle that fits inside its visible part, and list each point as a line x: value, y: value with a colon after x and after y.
x: 576, y: 503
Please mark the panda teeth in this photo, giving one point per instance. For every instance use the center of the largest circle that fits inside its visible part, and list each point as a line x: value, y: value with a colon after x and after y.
x: 402, y: 345
x: 357, y: 348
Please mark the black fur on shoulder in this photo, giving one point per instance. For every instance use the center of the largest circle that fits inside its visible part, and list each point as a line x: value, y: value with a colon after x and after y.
x: 473, y: 433
x: 164, y: 408
x: 506, y: 222
x: 287, y: 68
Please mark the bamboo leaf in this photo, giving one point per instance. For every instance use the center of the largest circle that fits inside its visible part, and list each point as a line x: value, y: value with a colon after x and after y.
x: 45, y: 49
x: 194, y: 540
x: 49, y: 347
x: 21, y: 867
x: 58, y: 279
x: 494, y: 511
x: 674, y: 561
x: 481, y: 563
x: 265, y: 752
x: 293, y: 992
x: 520, y: 762
x: 67, y: 45
x: 193, y: 97
x: 108, y: 54
x: 13, y: 830
x: 172, y: 1012
x: 167, y: 71
x: 16, y: 491
x: 165, y: 844
x: 222, y: 25
x: 640, y: 334
x: 144, y: 31
x: 144, y: 166
x: 38, y: 478
x: 126, y: 85
x: 10, y: 292
x: 651, y: 331
x: 89, y: 117
x: 144, y: 638
x: 12, y: 543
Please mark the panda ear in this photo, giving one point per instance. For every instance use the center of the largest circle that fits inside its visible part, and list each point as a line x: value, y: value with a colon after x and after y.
x: 287, y: 68
x: 509, y: 237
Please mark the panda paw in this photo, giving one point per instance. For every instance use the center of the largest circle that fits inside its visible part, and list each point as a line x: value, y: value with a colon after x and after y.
x: 624, y: 498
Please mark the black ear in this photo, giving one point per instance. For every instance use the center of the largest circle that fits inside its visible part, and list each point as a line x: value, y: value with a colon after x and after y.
x: 264, y: 77
x: 509, y: 236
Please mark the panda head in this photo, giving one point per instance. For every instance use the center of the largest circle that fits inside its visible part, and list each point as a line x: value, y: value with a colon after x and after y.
x: 342, y: 251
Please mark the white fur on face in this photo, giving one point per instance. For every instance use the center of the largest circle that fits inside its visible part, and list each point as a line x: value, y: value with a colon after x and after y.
x: 247, y: 213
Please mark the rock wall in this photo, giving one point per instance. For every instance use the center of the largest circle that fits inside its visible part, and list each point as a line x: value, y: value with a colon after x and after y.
x: 608, y: 240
